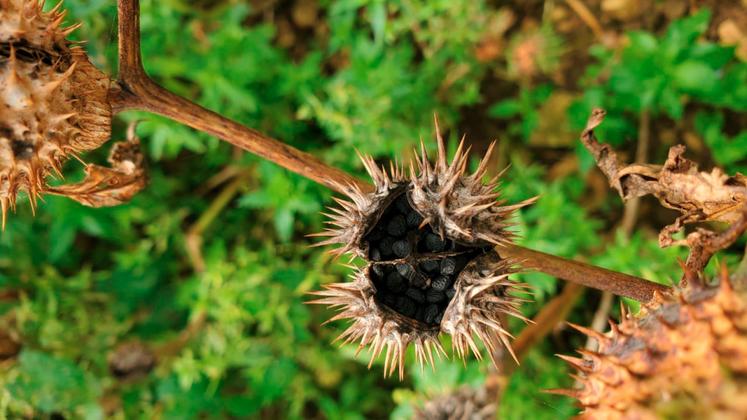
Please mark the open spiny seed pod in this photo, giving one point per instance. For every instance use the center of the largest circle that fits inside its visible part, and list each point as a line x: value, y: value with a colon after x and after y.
x: 53, y: 100
x: 428, y: 242
x: 464, y: 403
x: 683, y: 356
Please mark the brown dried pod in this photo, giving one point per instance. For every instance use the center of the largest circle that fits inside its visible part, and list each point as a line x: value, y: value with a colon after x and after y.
x: 456, y: 205
x: 428, y: 241
x: 463, y: 403
x: 683, y: 356
x: 54, y: 101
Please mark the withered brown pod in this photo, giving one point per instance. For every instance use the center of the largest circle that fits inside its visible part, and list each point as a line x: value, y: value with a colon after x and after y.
x: 427, y: 238
x: 53, y: 101
x: 683, y: 356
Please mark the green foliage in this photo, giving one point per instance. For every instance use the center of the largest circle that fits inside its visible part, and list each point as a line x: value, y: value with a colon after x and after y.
x: 727, y: 151
x: 228, y: 323
x: 52, y: 384
x: 525, y: 107
x: 661, y: 75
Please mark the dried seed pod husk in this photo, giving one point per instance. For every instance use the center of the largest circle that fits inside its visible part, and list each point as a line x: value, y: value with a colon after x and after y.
x: 684, y: 355
x: 54, y: 101
x: 457, y: 205
x: 428, y: 242
x: 483, y: 292
x: 463, y: 403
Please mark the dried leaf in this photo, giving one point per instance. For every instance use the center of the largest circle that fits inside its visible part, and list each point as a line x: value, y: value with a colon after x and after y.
x: 104, y: 187
x: 679, y: 185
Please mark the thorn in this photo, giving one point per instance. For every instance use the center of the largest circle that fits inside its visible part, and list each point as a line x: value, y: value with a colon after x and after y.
x: 576, y: 362
x: 441, y: 159
x: 589, y: 332
x: 70, y: 29
x: 52, y: 86
x: 62, y: 117
x: 564, y: 392
x: 483, y: 167
x: 56, y: 8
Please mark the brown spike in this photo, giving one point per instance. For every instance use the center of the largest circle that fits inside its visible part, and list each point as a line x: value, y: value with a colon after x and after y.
x: 564, y: 392
x: 599, y: 337
x: 441, y: 158
x: 483, y: 167
x: 577, y: 363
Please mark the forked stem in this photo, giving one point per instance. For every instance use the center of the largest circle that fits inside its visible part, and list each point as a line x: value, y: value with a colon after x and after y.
x: 135, y: 90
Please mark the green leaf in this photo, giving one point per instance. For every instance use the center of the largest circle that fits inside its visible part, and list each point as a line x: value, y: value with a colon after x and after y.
x: 504, y: 109
x: 52, y: 384
x: 642, y: 43
x: 694, y: 76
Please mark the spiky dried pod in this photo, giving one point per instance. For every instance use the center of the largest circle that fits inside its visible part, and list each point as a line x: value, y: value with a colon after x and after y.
x: 457, y: 205
x: 428, y: 241
x: 465, y: 403
x: 54, y: 101
x: 683, y: 356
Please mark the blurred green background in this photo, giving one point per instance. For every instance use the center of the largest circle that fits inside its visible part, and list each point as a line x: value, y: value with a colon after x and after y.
x: 188, y: 302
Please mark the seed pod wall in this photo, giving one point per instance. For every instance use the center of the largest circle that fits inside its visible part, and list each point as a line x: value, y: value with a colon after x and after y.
x: 427, y: 238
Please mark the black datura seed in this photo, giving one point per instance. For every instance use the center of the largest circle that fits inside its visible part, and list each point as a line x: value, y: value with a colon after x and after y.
x: 401, y: 248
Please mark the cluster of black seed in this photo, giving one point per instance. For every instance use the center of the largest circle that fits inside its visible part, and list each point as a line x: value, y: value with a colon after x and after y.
x: 413, y: 269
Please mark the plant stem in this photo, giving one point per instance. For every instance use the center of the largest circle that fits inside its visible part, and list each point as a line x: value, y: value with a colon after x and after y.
x: 135, y: 90
x: 584, y: 274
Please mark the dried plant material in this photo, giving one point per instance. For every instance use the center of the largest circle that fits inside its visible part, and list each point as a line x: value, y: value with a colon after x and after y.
x: 104, y: 187
x: 492, y: 43
x: 54, y: 101
x: 730, y: 33
x: 457, y: 206
x: 463, y: 403
x: 679, y: 185
x: 428, y: 239
x: 9, y: 345
x: 683, y: 356
x: 535, y: 51
x: 131, y: 360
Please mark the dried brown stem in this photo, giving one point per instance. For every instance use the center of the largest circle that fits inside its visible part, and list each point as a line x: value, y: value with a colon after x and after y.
x: 587, y: 17
x: 585, y: 274
x: 135, y: 90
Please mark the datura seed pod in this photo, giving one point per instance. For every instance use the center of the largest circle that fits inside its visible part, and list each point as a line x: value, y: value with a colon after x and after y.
x: 54, y: 101
x: 428, y: 240
x: 463, y: 403
x: 683, y: 356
